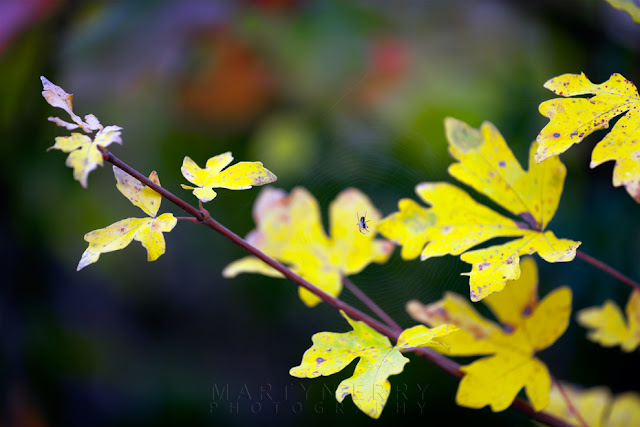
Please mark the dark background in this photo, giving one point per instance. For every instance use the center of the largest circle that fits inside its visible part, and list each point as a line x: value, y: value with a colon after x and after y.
x: 329, y: 95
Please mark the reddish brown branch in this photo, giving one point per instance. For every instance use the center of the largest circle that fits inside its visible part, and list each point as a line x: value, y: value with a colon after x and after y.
x: 608, y: 269
x: 188, y: 218
x: 437, y: 359
x: 375, y: 308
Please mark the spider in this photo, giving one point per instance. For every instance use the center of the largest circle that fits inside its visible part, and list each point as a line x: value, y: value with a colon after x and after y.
x: 362, y: 222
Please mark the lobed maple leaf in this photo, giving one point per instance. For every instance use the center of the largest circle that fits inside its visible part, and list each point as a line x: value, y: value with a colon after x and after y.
x: 147, y: 231
x: 84, y: 154
x: 289, y: 229
x: 240, y: 176
x: 528, y: 326
x: 573, y: 119
x: 608, y: 326
x: 369, y: 386
x: 456, y: 223
x: 596, y: 406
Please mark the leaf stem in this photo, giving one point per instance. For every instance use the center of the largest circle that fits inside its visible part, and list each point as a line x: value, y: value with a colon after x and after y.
x: 570, y: 405
x: 608, y: 269
x: 375, y: 308
x: 437, y: 359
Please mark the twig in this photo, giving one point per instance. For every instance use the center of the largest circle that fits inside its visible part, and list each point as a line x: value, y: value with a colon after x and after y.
x: 188, y: 218
x: 572, y: 408
x: 437, y: 359
x: 608, y: 269
x: 375, y: 308
x: 202, y: 217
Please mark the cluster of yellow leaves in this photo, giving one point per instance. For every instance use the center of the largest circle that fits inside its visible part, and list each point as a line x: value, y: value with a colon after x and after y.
x: 147, y: 231
x: 528, y: 326
x: 572, y: 119
x: 456, y: 223
x: 596, y: 406
x: 369, y: 386
x: 289, y: 229
x: 84, y: 154
x: 608, y: 326
x: 240, y: 176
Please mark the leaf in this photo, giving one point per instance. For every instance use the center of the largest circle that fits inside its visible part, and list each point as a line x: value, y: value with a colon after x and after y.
x: 456, y: 223
x: 369, y: 386
x: 407, y: 226
x: 596, y: 406
x: 528, y: 326
x: 147, y: 231
x: 140, y: 195
x: 628, y: 6
x: 289, y: 229
x: 240, y: 176
x: 608, y: 326
x: 573, y: 119
x: 57, y: 97
x: 84, y: 155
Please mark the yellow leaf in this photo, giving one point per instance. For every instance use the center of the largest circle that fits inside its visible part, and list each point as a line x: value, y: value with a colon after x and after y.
x: 473, y: 336
x: 573, y: 119
x: 147, y: 231
x: 140, y: 195
x: 625, y: 410
x: 487, y: 164
x: 369, y: 386
x: 608, y: 326
x: 84, y: 155
x: 456, y: 223
x: 240, y: 176
x: 528, y: 326
x: 496, y: 381
x: 407, y: 227
x: 628, y: 6
x: 250, y: 264
x: 596, y: 406
x: 493, y: 266
x: 421, y: 336
x: 289, y: 229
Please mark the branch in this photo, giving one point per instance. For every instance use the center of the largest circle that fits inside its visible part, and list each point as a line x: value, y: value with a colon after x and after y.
x: 375, y: 308
x: 608, y: 269
x: 437, y: 359
x: 203, y: 218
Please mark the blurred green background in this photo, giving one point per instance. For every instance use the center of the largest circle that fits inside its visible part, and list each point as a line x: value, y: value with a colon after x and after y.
x: 328, y: 95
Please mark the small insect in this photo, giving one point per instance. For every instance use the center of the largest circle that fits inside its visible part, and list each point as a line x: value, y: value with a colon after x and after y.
x: 362, y: 223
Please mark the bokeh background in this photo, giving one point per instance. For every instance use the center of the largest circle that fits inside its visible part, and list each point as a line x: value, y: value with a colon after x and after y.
x: 328, y: 95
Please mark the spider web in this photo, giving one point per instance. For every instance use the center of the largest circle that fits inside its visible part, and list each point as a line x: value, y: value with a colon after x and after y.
x: 379, y: 168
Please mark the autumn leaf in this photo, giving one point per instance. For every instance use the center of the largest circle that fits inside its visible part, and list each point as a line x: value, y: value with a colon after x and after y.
x: 527, y: 326
x: 596, y: 406
x: 572, y: 119
x: 240, y: 176
x: 289, y: 229
x: 57, y: 97
x: 455, y: 223
x: 147, y: 231
x: 369, y: 386
x: 608, y: 326
x: 628, y: 6
x: 84, y: 154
